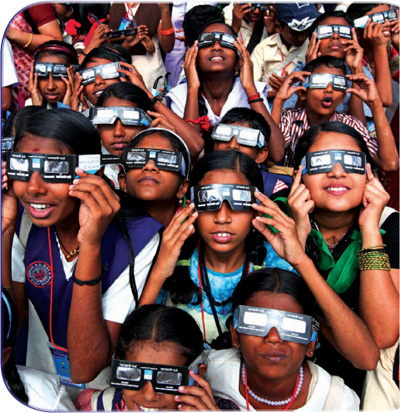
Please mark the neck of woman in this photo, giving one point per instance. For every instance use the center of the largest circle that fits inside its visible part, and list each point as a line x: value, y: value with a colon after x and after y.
x: 217, y: 89
x: 161, y: 211
x: 224, y: 262
x: 67, y: 233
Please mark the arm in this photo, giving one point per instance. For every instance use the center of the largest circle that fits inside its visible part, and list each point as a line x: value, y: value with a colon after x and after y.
x: 351, y: 336
x: 276, y: 144
x: 238, y: 11
x: 379, y: 297
x: 91, y: 339
x: 166, y: 40
x: 386, y: 157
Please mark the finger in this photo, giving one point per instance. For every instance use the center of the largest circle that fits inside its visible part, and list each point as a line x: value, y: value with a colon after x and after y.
x: 370, y: 175
x: 296, y: 179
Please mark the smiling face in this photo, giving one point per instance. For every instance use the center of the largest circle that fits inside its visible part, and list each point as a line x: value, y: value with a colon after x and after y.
x: 116, y: 137
x: 332, y: 46
x: 224, y: 231
x: 146, y: 399
x: 335, y: 190
x: 387, y: 25
x: 93, y: 90
x: 53, y: 89
x: 270, y: 357
x: 323, y: 102
x: 150, y: 183
x: 216, y: 58
x: 46, y: 203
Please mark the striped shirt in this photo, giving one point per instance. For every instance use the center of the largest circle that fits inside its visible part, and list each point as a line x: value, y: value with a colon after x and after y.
x: 294, y: 123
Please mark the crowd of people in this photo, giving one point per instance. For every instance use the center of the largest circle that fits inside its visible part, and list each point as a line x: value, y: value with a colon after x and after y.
x: 200, y: 206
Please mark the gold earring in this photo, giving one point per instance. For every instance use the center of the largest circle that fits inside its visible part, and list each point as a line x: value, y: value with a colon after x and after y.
x: 180, y: 201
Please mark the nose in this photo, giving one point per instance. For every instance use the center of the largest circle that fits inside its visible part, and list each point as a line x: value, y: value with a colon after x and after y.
x: 148, y: 393
x: 233, y: 144
x: 302, y: 36
x: 119, y: 129
x: 216, y: 45
x: 36, y: 185
x: 223, y: 215
x: 273, y: 336
x: 337, y: 171
x: 50, y: 82
x: 329, y: 87
x: 335, y: 35
x: 150, y: 166
x: 99, y: 80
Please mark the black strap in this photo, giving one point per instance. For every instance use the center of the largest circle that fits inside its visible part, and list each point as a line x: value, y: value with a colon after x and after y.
x: 256, y: 35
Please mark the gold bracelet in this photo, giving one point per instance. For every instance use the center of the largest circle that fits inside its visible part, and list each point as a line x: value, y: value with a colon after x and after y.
x: 30, y: 41
x: 11, y: 287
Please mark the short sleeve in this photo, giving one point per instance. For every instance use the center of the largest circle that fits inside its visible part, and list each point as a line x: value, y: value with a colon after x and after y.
x: 42, y: 14
x: 17, y: 260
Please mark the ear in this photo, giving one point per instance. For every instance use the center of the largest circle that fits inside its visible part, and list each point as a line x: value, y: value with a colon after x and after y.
x: 122, y: 181
x: 234, y: 335
x: 310, y: 349
x: 202, y: 370
x: 278, y: 27
x: 302, y: 95
x: 262, y: 155
x: 183, y: 187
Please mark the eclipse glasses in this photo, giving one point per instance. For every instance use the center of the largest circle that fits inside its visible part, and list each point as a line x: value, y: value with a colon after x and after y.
x: 379, y: 17
x: 127, y: 115
x: 326, y: 31
x: 244, y: 136
x: 322, y: 80
x: 224, y: 39
x: 107, y: 71
x: 56, y: 69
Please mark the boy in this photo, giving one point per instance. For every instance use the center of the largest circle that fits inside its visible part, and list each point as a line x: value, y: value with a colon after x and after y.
x: 279, y: 54
x: 321, y: 95
x: 250, y: 136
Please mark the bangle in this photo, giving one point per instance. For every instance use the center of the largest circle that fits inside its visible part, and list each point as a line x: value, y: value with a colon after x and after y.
x: 255, y: 100
x: 154, y: 100
x: 82, y: 52
x: 91, y: 282
x: 373, y: 260
x: 372, y: 247
x: 29, y: 42
x: 11, y: 287
x: 252, y: 97
x: 168, y: 31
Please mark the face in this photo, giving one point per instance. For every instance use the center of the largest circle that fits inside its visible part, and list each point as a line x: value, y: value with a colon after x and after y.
x: 270, y: 357
x: 116, y: 137
x: 216, y: 58
x: 291, y: 37
x: 224, y: 231
x: 52, y: 88
x: 324, y: 102
x: 387, y: 25
x: 333, y: 46
x: 252, y: 16
x: 46, y: 203
x: 146, y: 398
x: 94, y: 90
x: 259, y: 155
x: 335, y: 190
x: 151, y: 183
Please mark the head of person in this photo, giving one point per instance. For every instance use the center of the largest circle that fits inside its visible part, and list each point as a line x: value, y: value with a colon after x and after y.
x: 116, y: 132
x: 17, y: 120
x: 277, y: 294
x: 96, y: 76
x: 332, y: 27
x: 256, y: 13
x: 360, y: 13
x: 52, y: 132
x: 337, y: 180
x: 163, y: 335
x: 161, y: 167
x: 63, y: 11
x: 252, y: 141
x: 81, y: 14
x: 293, y: 22
x: 326, y: 86
x: 217, y: 54
x: 51, y: 60
x: 197, y: 18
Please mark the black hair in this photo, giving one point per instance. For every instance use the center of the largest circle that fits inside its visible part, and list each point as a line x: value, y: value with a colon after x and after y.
x: 180, y: 286
x: 310, y: 136
x: 356, y: 10
x: 57, y: 48
x: 116, y: 47
x: 9, y: 334
x: 274, y: 281
x: 18, y: 118
x: 126, y: 91
x: 161, y: 324
x: 65, y: 125
x: 332, y: 13
x: 82, y: 10
x: 102, y: 53
x: 250, y: 116
x: 328, y: 61
x: 197, y: 18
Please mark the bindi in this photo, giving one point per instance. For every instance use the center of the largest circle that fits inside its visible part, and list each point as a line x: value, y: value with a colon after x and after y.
x: 35, y: 150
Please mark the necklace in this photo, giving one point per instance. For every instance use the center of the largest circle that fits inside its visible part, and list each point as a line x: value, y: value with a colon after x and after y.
x: 70, y: 254
x: 297, y: 389
x: 329, y: 245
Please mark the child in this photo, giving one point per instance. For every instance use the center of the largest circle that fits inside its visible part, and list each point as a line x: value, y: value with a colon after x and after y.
x: 251, y: 138
x: 277, y: 56
x: 213, y: 86
x: 52, y: 76
x: 157, y: 185
x: 154, y: 337
x: 321, y: 98
x: 267, y: 367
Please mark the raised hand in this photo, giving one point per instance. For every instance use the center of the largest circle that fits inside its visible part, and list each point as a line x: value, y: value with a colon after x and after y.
x: 189, y: 66
x: 313, y: 47
x: 37, y: 97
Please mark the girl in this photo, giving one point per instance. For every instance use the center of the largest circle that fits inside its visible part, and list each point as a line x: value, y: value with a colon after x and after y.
x: 341, y: 217
x: 156, y: 188
x: 155, y: 334
x: 267, y: 367
x: 213, y: 87
x: 52, y: 77
x: 78, y: 258
x: 203, y: 270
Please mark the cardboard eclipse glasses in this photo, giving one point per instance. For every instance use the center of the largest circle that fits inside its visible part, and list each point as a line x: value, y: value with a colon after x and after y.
x: 326, y: 31
x: 107, y: 71
x: 379, y: 17
x: 244, y: 136
x: 43, y: 69
x: 322, y: 80
x: 224, y: 39
x: 127, y: 115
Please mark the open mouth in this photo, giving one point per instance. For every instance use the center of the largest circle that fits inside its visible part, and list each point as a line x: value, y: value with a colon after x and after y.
x: 337, y: 190
x: 40, y: 211
x: 327, y: 101
x: 222, y: 237
x: 217, y: 59
x: 98, y: 93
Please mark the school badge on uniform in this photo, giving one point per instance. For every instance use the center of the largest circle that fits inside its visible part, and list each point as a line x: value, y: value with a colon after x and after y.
x: 39, y: 274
